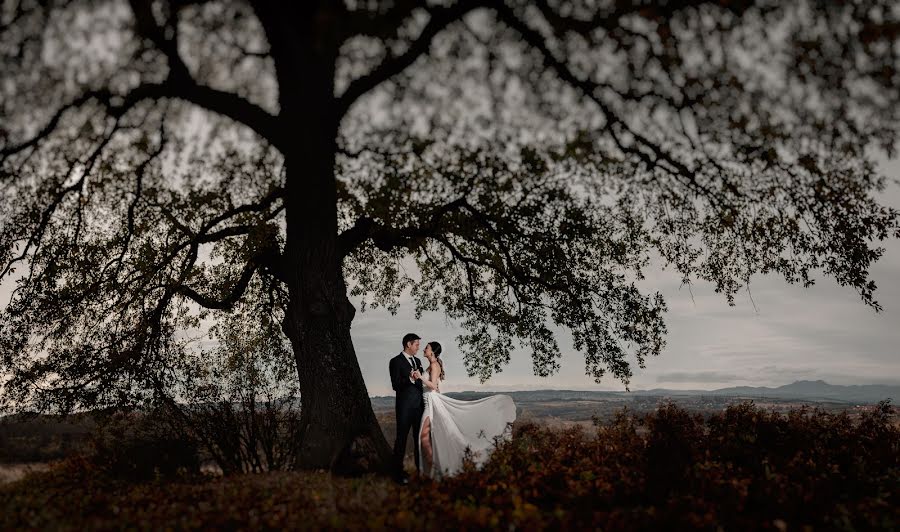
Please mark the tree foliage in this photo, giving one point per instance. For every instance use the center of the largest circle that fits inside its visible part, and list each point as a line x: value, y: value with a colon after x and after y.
x: 530, y: 157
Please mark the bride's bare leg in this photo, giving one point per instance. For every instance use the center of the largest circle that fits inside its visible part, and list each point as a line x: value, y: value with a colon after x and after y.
x: 427, y: 455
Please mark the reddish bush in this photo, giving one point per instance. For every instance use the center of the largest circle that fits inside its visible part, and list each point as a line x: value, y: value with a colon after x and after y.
x: 744, y: 468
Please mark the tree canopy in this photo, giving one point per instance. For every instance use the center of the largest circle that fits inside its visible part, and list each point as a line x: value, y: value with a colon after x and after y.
x: 157, y: 158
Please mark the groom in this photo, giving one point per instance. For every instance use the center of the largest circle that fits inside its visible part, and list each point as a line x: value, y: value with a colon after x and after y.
x: 406, y: 372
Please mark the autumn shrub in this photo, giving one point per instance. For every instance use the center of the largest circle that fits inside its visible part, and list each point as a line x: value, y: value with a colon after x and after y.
x: 246, y: 435
x: 142, y: 445
x: 741, y: 469
x: 744, y: 468
x: 239, y: 399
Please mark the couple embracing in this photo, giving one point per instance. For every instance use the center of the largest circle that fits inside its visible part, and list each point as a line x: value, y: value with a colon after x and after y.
x: 443, y: 428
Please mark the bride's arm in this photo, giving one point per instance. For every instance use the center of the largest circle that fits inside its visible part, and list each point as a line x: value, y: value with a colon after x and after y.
x: 428, y: 382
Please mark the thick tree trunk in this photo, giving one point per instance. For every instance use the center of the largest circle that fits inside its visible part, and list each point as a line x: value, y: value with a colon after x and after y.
x: 339, y: 429
x: 340, y: 432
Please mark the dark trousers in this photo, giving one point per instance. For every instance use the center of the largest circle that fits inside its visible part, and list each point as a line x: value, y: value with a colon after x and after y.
x: 409, y: 416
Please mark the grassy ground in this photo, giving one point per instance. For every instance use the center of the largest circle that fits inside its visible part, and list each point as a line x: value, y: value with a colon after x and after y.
x: 744, y: 469
x: 63, y: 499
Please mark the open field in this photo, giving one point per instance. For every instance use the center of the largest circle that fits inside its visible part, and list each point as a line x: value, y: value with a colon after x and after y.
x: 13, y: 472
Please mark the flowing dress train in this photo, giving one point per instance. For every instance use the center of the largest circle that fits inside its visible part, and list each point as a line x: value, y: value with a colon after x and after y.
x: 458, y: 425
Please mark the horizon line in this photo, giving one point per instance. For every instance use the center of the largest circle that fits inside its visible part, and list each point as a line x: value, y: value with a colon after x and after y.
x: 515, y: 388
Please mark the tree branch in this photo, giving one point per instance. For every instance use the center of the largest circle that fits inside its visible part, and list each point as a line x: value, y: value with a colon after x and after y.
x: 441, y: 17
x: 147, y: 27
x: 386, y: 237
x: 50, y: 126
x: 656, y: 155
x: 36, y: 237
x: 240, y: 286
x: 220, y: 102
x: 381, y: 24
x: 268, y: 259
x: 609, y: 18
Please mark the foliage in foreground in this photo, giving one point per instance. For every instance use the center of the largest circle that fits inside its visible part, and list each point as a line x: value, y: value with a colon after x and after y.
x: 745, y: 468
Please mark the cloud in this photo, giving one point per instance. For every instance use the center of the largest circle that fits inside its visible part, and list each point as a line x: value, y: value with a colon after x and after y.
x: 699, y: 376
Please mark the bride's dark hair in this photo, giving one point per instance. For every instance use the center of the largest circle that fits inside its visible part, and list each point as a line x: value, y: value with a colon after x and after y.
x: 436, y: 349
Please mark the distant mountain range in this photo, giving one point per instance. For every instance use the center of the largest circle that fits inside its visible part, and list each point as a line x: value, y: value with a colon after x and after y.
x: 810, y: 390
x: 804, y: 390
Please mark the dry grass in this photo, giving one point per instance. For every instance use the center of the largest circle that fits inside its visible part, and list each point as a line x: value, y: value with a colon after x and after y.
x: 14, y: 472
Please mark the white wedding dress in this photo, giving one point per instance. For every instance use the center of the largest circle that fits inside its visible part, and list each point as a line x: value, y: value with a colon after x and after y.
x: 459, y: 425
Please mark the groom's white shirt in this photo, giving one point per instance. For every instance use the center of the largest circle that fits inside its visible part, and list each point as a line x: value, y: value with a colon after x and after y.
x: 411, y: 363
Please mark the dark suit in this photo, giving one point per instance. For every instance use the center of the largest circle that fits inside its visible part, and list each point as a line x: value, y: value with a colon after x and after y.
x: 409, y: 406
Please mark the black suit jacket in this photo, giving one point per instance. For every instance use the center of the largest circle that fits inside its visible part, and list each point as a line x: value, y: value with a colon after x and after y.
x: 408, y: 393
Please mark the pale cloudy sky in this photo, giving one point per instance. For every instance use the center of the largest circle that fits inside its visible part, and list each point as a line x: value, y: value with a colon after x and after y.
x: 823, y: 332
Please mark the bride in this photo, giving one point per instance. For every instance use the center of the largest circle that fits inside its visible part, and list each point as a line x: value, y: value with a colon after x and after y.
x: 450, y: 426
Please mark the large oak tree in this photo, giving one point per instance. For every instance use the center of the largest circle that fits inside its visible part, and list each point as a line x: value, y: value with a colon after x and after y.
x: 164, y: 161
